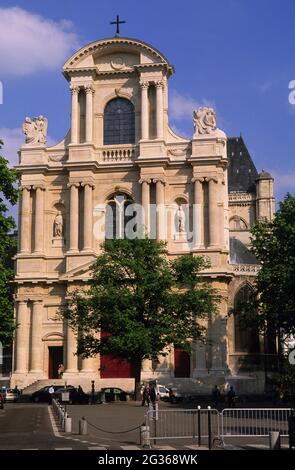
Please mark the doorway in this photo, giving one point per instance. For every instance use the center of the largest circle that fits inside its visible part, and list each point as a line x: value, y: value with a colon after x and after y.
x: 55, y: 355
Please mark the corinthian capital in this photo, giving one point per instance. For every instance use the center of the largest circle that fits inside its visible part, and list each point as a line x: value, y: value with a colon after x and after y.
x: 74, y: 89
x: 159, y: 84
x: 144, y: 84
x: 160, y: 179
x: 89, y: 89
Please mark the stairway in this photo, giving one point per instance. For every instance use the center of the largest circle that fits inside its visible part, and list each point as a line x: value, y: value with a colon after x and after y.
x: 35, y: 386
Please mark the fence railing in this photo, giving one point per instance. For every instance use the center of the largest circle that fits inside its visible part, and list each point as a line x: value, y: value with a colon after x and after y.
x: 207, y: 425
x: 194, y: 423
x: 256, y: 422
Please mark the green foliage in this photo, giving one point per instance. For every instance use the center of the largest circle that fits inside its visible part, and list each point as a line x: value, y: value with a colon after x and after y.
x: 274, y: 246
x: 8, y: 193
x: 142, y: 300
x: 285, y: 381
x: 271, y: 307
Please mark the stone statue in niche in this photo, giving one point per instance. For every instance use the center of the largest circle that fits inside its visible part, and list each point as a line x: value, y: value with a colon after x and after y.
x: 58, y: 226
x: 35, y: 130
x: 180, y: 219
x: 204, y: 120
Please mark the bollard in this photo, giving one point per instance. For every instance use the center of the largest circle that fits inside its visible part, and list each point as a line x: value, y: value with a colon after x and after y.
x: 145, y: 436
x: 274, y: 440
x: 82, y: 426
x: 199, y: 425
x: 68, y: 424
x: 209, y: 428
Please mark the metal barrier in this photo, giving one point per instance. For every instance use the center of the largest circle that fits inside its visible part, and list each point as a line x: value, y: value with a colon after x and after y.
x: 208, y: 425
x: 194, y: 423
x: 254, y: 422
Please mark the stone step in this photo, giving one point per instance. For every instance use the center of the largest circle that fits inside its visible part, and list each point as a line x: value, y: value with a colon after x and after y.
x: 35, y: 386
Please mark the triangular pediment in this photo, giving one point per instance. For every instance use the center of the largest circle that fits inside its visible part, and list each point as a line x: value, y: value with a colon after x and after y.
x: 79, y: 272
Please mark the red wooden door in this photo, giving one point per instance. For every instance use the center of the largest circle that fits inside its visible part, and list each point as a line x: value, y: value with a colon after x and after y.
x: 114, y: 367
x: 182, y: 363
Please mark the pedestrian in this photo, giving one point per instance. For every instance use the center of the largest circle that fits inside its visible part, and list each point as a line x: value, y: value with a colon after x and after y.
x: 216, y: 396
x: 60, y: 371
x: 152, y: 394
x: 231, y: 395
x: 145, y: 396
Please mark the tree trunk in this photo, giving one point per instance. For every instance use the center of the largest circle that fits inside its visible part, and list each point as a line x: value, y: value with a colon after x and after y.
x: 137, y: 362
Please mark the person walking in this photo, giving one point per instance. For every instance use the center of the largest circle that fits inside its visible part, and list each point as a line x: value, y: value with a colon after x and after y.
x: 216, y: 396
x: 145, y: 396
x: 231, y: 395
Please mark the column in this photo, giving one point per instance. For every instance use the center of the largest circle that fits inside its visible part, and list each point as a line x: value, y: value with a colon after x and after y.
x: 22, y: 338
x: 144, y: 111
x: 213, y: 213
x: 39, y: 220
x: 218, y: 343
x: 145, y: 202
x: 198, y: 213
x: 160, y: 110
x: 25, y: 220
x: 71, y: 349
x: 36, y: 353
x: 74, y: 115
x: 74, y: 216
x: 88, y: 208
x: 88, y: 365
x: 89, y: 112
x: 160, y: 203
x: 201, y: 365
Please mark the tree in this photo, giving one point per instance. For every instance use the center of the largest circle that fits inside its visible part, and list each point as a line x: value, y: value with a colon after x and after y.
x: 8, y: 194
x: 142, y: 302
x: 272, y: 306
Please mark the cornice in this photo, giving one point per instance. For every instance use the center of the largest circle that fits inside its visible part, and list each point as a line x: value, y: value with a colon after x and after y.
x: 108, y: 43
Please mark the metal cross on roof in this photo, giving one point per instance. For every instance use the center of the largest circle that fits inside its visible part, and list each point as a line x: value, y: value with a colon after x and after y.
x: 117, y: 22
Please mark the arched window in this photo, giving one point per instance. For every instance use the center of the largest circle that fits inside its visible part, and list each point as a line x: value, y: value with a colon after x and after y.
x: 118, y: 215
x: 119, y: 122
x: 237, y: 223
x: 246, y: 338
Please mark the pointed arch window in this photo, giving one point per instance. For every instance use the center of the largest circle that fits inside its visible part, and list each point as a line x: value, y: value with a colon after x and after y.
x: 246, y: 338
x: 119, y: 122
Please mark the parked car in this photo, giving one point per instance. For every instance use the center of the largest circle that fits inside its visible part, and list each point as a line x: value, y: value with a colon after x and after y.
x: 1, y: 402
x: 11, y: 395
x: 113, y: 394
x: 76, y: 395
x: 168, y: 394
x: 43, y: 395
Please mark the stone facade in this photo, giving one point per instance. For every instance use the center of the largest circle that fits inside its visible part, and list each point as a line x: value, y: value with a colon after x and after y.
x: 65, y: 190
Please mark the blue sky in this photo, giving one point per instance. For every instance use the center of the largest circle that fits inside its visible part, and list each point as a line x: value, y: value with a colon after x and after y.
x: 237, y: 55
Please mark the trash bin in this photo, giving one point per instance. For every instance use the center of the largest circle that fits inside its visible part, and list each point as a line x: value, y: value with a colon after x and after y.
x: 291, y: 426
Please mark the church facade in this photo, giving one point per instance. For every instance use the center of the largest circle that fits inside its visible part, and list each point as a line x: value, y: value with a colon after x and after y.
x: 200, y: 195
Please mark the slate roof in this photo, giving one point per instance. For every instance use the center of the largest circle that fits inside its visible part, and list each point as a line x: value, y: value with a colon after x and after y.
x: 242, y: 172
x: 239, y: 253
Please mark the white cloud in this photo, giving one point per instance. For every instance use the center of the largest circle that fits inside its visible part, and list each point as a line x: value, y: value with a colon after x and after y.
x: 12, y: 139
x: 30, y: 43
x: 182, y: 106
